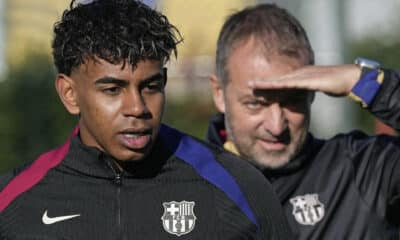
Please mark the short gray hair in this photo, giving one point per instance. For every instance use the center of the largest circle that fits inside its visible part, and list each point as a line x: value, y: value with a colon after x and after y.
x: 275, y: 28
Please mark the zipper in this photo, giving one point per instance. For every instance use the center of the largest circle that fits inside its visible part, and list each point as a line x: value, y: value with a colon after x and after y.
x: 117, y: 180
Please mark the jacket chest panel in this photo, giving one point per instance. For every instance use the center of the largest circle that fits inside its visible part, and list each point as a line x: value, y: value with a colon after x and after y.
x: 116, y: 211
x: 327, y: 199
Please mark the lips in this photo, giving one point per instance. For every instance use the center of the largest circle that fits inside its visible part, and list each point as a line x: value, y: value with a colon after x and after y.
x: 279, y: 142
x: 135, y: 139
x: 272, y: 145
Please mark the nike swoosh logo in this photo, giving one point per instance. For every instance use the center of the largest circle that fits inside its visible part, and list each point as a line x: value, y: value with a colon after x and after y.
x: 48, y: 220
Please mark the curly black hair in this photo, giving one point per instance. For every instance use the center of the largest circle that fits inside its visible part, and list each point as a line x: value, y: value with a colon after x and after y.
x: 118, y: 31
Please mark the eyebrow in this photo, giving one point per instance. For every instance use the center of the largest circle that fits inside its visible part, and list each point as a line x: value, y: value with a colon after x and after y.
x: 123, y: 82
x: 107, y: 80
x: 156, y: 76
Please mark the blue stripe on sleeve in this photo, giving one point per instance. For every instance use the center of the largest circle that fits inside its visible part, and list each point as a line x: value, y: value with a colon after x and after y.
x: 203, y: 161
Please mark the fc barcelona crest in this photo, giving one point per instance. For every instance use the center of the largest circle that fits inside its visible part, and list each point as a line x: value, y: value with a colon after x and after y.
x: 178, y: 217
x: 307, y: 209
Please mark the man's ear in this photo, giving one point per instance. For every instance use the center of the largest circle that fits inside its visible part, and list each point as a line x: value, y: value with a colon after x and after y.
x: 66, y: 89
x: 218, y: 93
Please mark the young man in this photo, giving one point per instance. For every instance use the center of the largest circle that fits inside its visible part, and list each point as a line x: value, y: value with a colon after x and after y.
x: 346, y: 187
x: 123, y: 174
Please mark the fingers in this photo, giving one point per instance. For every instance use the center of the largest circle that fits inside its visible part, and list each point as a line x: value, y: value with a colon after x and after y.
x: 285, y: 83
x: 333, y: 80
x: 303, y: 78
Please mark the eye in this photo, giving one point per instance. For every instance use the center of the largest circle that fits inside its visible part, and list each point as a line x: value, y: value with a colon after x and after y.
x: 112, y: 90
x: 154, y: 86
x: 254, y: 104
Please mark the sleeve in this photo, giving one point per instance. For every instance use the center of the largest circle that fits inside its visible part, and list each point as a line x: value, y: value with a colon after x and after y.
x: 262, y: 200
x: 6, y: 178
x: 386, y: 103
x: 376, y: 160
x: 269, y: 212
x: 377, y: 173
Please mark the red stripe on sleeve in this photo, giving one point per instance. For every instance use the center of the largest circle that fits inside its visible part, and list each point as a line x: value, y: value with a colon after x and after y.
x: 34, y: 173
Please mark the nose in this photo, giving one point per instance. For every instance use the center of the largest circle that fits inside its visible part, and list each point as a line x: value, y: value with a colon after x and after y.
x: 274, y: 119
x: 133, y: 104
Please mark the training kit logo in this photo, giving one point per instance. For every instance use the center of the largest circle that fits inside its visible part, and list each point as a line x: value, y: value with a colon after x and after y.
x: 307, y: 209
x: 178, y: 217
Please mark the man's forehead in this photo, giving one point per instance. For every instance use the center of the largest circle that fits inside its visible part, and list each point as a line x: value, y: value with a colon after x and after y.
x: 259, y: 69
x: 266, y: 49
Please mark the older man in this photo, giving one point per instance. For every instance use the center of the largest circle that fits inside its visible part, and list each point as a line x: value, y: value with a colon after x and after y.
x: 346, y: 187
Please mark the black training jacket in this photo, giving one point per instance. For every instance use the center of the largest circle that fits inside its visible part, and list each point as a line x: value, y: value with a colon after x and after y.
x: 346, y: 187
x: 184, y: 190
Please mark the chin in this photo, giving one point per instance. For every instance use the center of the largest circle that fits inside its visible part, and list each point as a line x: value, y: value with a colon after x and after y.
x: 271, y: 162
x: 128, y: 156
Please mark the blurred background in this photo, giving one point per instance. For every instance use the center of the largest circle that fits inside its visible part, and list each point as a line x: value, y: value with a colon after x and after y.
x: 32, y: 119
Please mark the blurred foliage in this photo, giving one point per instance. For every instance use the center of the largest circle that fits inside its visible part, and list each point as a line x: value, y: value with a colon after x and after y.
x: 33, y: 119
x: 190, y: 115
x: 383, y: 49
x: 386, y: 52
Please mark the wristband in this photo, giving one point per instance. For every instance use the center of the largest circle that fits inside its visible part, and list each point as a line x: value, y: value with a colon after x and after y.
x: 367, y: 87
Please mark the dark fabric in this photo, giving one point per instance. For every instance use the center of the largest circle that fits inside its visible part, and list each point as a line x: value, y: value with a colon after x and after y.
x: 106, y: 203
x: 353, y: 178
x: 386, y: 104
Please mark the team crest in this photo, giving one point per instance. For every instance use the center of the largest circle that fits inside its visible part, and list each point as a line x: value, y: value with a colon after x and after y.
x: 307, y: 209
x: 178, y: 217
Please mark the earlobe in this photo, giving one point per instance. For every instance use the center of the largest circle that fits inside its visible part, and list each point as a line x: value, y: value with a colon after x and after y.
x: 218, y: 93
x: 66, y: 90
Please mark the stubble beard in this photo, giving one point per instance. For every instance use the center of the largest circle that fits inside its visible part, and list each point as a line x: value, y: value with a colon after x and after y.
x: 261, y: 158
